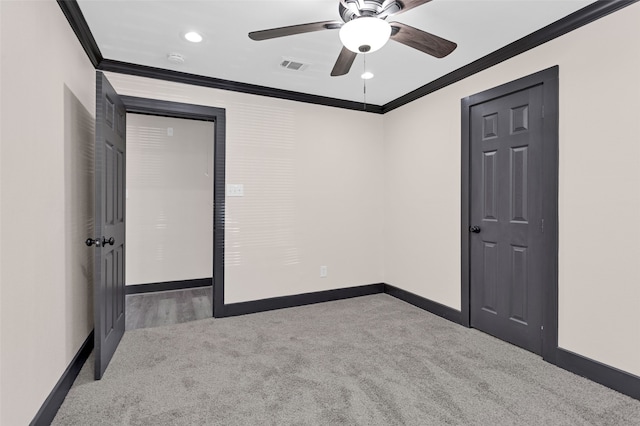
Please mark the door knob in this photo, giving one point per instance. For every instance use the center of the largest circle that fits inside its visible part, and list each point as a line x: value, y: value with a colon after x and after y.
x: 90, y: 242
x: 111, y: 241
x: 98, y: 242
x: 474, y: 229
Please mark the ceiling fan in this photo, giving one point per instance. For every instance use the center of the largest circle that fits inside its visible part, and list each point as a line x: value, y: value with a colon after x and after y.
x: 364, y: 29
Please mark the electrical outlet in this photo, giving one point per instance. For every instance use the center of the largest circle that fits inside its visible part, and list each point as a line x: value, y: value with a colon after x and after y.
x: 323, y: 272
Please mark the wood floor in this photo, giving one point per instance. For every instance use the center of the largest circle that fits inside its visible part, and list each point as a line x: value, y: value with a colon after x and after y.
x: 147, y: 310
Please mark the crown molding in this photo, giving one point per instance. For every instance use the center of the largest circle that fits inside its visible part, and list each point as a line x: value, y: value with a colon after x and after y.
x: 72, y: 12
x: 584, y: 16
x: 567, y: 24
x: 217, y: 83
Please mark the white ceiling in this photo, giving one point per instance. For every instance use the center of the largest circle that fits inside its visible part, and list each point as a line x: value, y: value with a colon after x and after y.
x: 144, y: 31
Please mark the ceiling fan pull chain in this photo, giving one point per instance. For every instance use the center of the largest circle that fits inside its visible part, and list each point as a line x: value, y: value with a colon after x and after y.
x: 364, y: 82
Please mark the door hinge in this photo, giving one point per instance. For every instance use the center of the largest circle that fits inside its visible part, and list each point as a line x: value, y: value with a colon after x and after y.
x: 542, y: 225
x: 542, y: 111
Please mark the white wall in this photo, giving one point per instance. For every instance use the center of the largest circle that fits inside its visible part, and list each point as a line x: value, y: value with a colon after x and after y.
x: 312, y: 179
x: 169, y: 199
x: 599, y: 200
x: 47, y: 101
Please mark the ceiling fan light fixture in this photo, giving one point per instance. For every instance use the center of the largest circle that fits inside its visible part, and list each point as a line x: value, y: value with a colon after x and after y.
x: 365, y: 35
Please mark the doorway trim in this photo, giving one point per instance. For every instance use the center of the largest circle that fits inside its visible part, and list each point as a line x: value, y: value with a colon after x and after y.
x: 548, y: 79
x: 218, y: 116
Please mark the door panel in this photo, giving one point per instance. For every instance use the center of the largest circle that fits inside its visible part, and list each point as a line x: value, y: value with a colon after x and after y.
x: 518, y: 304
x: 110, y: 152
x: 490, y: 278
x: 490, y: 185
x: 506, y: 203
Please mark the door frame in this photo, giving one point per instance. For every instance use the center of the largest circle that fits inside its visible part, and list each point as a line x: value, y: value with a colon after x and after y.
x: 549, y: 81
x: 156, y: 107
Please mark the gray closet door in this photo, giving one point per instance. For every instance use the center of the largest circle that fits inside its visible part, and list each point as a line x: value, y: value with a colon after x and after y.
x: 505, y: 217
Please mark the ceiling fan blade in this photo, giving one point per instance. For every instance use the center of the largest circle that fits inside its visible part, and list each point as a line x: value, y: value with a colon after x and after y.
x: 294, y: 29
x: 421, y: 40
x: 344, y: 62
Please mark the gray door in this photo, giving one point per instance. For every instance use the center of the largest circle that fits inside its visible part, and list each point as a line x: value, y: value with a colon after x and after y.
x: 506, y: 218
x: 108, y: 287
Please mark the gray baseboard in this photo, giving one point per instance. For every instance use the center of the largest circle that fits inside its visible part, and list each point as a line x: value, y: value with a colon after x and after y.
x: 270, y: 304
x: 168, y: 285
x: 262, y: 305
x: 423, y: 303
x: 606, y: 375
x: 50, y: 407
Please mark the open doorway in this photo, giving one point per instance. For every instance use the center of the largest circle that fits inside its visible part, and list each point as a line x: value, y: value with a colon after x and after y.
x: 169, y: 217
x: 110, y: 206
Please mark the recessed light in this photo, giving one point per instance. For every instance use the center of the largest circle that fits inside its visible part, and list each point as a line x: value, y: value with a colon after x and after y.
x: 367, y: 75
x: 193, y: 37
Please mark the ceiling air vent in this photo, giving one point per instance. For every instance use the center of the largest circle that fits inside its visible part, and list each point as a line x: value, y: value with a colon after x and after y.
x: 175, y: 58
x: 293, y: 65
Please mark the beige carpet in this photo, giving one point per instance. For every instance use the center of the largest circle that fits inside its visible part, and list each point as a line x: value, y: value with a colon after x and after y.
x: 371, y: 360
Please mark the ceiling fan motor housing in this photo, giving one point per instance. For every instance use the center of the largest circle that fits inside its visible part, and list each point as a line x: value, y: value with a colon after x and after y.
x: 352, y: 9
